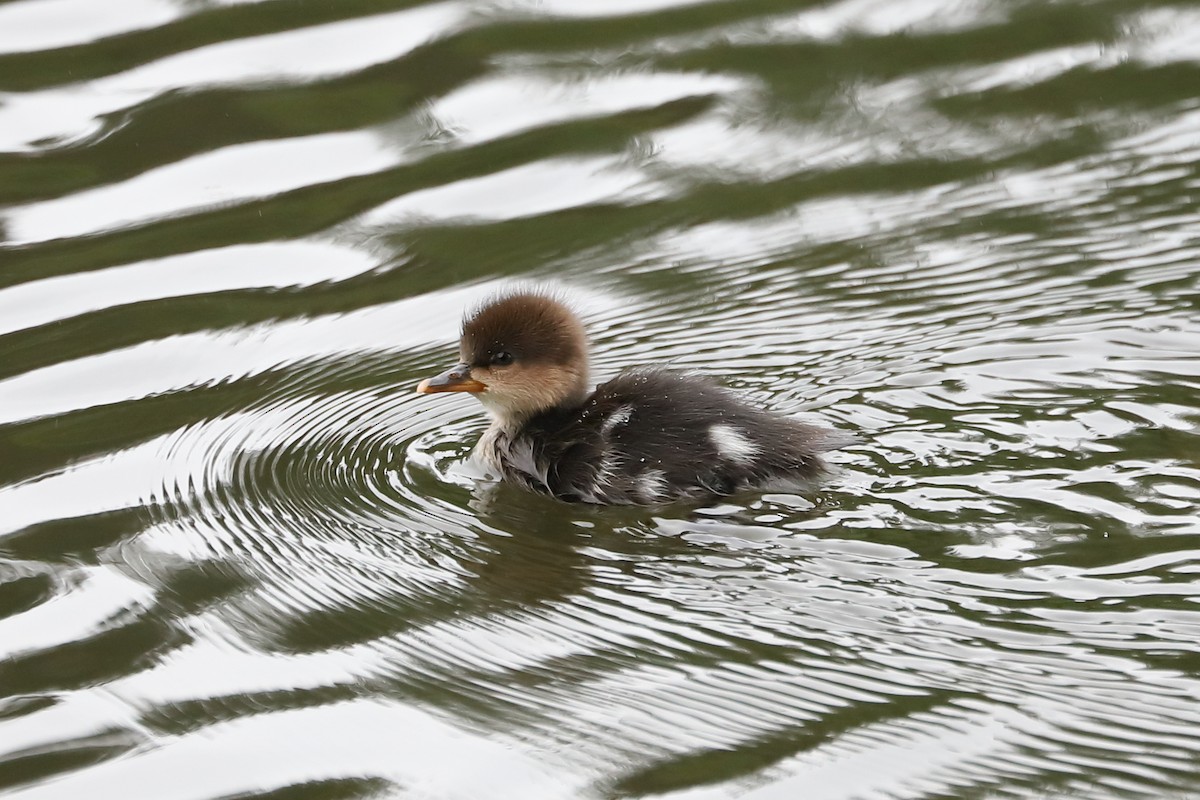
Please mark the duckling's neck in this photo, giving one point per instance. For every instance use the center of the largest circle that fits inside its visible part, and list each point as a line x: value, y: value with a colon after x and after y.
x: 504, y: 420
x: 510, y: 419
x: 558, y: 389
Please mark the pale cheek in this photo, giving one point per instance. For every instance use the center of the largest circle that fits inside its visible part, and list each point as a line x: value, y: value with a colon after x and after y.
x: 520, y: 390
x: 543, y: 395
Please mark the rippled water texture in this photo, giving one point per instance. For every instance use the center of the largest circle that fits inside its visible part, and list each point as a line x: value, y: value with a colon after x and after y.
x: 240, y: 558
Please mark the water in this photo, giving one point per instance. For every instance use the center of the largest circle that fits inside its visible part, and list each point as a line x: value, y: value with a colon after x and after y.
x: 240, y: 558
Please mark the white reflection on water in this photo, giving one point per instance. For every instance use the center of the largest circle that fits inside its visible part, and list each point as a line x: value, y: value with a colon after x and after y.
x: 201, y: 359
x: 93, y: 598
x: 69, y: 113
x: 898, y: 760
x: 832, y: 21
x: 501, y: 106
x: 524, y: 191
x: 268, y: 265
x: 1164, y: 35
x: 589, y: 8
x: 92, y: 486
x: 400, y: 743
x: 44, y: 24
x: 233, y: 174
x: 212, y: 357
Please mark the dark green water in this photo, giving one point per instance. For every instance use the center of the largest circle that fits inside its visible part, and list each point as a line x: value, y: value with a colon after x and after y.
x: 239, y: 558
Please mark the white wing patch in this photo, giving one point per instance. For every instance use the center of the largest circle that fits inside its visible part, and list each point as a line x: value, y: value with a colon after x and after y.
x: 618, y: 417
x: 732, y: 444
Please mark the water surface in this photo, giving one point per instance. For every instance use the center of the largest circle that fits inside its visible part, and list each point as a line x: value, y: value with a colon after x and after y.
x: 239, y: 558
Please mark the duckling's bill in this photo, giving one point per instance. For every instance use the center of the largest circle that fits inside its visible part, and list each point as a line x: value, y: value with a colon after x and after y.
x: 456, y: 379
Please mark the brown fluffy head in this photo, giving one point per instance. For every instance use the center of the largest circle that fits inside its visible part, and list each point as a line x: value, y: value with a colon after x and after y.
x: 530, y: 350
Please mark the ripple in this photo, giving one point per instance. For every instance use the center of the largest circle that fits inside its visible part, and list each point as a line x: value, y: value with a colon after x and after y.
x: 292, y: 264
x: 71, y: 113
x: 371, y: 735
x: 43, y: 25
x: 230, y: 532
x: 95, y: 599
x: 234, y: 174
x: 530, y: 190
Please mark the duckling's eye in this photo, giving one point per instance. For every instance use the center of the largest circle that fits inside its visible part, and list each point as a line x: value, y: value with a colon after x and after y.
x: 502, y: 358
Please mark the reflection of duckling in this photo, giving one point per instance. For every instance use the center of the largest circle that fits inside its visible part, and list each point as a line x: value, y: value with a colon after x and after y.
x: 647, y: 436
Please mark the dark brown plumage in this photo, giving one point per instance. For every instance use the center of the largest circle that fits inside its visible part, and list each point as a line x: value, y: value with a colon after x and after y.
x: 647, y: 436
x: 532, y: 327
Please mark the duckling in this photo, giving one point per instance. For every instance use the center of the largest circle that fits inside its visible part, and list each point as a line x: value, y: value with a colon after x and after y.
x: 648, y: 436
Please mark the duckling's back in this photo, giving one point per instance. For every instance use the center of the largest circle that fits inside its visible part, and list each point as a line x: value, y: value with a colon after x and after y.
x: 651, y: 436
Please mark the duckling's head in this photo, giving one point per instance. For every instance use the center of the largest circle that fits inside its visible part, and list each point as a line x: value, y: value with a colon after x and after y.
x: 520, y: 354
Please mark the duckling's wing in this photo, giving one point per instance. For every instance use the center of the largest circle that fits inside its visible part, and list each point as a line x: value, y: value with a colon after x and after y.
x: 672, y: 435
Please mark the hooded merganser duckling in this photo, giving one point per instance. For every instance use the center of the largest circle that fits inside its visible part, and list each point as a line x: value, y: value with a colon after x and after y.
x: 647, y: 436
